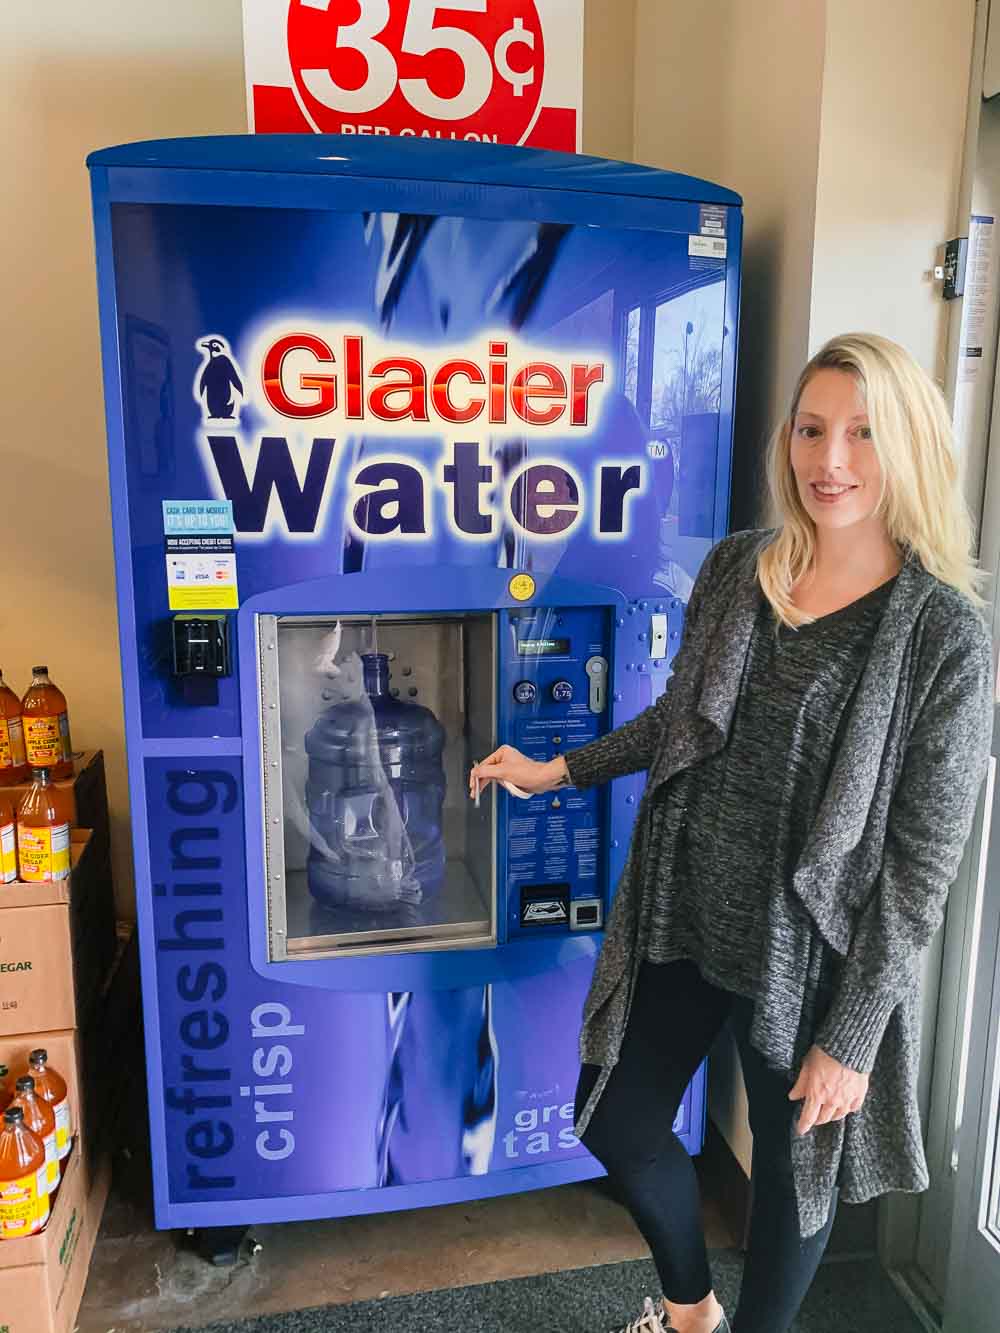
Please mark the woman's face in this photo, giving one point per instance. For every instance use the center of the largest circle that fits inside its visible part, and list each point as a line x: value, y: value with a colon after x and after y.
x: 834, y: 460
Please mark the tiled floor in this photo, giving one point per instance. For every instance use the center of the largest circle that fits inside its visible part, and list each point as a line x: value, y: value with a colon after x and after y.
x: 142, y: 1280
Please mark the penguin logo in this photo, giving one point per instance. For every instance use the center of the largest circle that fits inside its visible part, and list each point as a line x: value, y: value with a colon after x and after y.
x: 219, y: 378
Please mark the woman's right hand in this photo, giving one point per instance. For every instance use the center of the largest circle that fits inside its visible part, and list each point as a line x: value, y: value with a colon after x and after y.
x: 510, y: 765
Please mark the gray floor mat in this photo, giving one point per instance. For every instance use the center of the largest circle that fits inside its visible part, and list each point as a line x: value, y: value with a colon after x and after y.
x: 848, y: 1296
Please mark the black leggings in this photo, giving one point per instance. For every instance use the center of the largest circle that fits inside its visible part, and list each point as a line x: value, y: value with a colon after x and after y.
x: 674, y: 1019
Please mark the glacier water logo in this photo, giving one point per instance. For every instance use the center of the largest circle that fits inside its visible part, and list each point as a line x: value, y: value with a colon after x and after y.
x: 428, y: 423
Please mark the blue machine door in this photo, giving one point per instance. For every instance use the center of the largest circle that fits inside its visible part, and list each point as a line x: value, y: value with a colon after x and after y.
x: 370, y: 863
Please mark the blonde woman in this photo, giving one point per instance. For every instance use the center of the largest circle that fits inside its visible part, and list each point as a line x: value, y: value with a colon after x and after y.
x: 813, y: 770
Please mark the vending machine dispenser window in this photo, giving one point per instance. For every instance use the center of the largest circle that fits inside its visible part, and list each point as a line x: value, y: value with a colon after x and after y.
x: 369, y: 727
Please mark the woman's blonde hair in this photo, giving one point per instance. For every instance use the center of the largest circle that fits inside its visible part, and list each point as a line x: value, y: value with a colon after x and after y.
x: 921, y: 503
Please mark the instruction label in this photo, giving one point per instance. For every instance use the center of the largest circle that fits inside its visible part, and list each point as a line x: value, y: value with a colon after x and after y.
x: 978, y: 297
x: 712, y: 219
x: 200, y: 555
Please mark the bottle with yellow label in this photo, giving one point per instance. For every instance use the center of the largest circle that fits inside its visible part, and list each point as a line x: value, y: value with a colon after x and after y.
x: 13, y: 765
x: 51, y: 1087
x: 41, y: 1120
x: 8, y: 843
x: 43, y: 823
x: 46, y: 726
x: 24, y: 1195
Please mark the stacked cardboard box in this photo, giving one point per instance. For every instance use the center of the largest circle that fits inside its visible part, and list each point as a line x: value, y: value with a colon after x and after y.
x: 57, y: 947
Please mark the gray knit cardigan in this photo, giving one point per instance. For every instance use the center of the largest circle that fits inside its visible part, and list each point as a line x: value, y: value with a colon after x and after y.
x: 873, y: 877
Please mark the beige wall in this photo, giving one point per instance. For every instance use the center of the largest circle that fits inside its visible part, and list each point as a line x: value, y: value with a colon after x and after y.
x: 730, y: 90
x: 609, y: 77
x: 895, y: 89
x: 77, y: 77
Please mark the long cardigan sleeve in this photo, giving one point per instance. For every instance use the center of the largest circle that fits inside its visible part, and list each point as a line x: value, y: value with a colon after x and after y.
x: 632, y: 747
x: 929, y: 820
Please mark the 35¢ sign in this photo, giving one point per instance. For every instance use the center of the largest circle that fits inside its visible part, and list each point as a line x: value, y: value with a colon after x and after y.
x: 500, y: 71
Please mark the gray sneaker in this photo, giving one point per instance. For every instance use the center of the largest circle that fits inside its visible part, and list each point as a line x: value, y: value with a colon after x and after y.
x: 721, y: 1327
x: 648, y: 1322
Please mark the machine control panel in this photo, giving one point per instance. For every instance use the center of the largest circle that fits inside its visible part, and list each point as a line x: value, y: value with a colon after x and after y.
x: 554, y: 668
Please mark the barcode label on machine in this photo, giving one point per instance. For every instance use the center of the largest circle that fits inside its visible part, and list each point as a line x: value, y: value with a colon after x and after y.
x: 709, y: 247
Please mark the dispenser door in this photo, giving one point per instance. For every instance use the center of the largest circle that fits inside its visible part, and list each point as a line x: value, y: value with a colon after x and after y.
x: 369, y: 728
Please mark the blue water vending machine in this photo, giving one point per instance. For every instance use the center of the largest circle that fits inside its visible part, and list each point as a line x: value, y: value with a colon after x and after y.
x: 415, y: 449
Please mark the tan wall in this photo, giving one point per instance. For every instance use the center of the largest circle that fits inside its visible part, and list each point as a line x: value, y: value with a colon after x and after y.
x: 77, y: 77
x: 890, y: 162
x: 609, y: 77
x: 730, y: 90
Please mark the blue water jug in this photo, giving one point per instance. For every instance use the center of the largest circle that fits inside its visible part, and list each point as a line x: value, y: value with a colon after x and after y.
x: 375, y: 794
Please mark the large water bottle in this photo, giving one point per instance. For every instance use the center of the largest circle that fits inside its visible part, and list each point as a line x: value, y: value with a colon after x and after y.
x: 375, y: 793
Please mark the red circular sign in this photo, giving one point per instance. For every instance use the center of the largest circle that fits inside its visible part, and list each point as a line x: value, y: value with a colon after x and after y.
x: 468, y: 69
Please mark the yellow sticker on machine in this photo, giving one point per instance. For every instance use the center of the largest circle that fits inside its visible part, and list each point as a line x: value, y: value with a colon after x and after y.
x: 203, y: 599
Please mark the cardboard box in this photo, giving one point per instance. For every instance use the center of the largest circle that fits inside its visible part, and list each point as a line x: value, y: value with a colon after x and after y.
x: 55, y: 946
x: 99, y: 1063
x: 42, y: 1277
x: 91, y: 796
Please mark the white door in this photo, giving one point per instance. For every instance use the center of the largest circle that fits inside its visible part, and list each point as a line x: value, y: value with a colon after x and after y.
x: 973, y: 1298
x: 973, y: 1291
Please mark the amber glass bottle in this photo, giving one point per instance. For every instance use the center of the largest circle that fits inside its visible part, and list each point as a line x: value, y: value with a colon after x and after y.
x: 44, y: 818
x: 8, y: 842
x: 51, y: 1085
x: 41, y: 1120
x: 24, y: 1195
x: 47, y: 741
x: 13, y: 765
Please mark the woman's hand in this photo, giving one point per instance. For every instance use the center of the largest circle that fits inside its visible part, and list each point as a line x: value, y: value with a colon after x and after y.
x: 827, y: 1089
x: 510, y: 765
